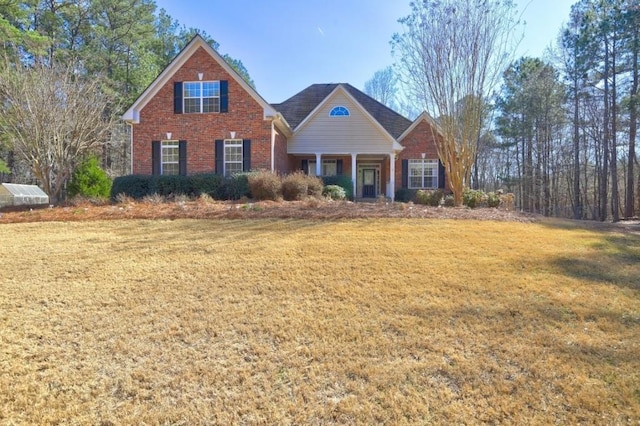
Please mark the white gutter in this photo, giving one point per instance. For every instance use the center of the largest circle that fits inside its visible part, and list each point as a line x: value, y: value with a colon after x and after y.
x: 273, y: 146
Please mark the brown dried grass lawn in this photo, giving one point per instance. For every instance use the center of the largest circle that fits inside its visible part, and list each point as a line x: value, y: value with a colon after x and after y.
x: 289, y: 321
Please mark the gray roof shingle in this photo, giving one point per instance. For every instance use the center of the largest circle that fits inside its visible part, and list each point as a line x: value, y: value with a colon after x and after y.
x: 299, y: 106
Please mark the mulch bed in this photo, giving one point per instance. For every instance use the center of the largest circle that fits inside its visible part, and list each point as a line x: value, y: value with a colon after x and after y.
x: 310, y: 209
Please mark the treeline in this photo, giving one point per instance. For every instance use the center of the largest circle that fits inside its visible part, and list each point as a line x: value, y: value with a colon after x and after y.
x: 562, y: 135
x: 564, y: 130
x: 124, y: 44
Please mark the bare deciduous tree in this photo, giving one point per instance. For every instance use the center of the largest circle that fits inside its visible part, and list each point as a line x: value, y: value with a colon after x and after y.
x: 382, y: 87
x: 53, y: 117
x: 453, y: 50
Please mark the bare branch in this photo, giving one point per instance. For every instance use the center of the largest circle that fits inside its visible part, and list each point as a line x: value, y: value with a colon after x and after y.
x: 54, y: 118
x: 452, y: 54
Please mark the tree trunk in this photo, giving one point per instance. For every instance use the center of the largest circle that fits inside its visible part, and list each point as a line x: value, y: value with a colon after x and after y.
x: 528, y: 172
x: 518, y: 182
x: 476, y: 173
x: 546, y: 182
x: 615, y: 195
x: 629, y: 210
x: 577, y: 207
x: 604, y: 184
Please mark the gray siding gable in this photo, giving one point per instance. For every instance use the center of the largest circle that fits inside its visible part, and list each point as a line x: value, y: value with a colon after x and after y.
x: 297, y: 108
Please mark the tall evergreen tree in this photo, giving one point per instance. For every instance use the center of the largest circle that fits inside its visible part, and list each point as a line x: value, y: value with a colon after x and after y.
x: 631, y: 22
x: 576, y: 65
x: 17, y: 37
x: 124, y: 44
x: 530, y: 114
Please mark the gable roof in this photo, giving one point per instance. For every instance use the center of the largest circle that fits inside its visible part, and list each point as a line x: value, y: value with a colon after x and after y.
x: 426, y: 117
x: 298, y: 107
x: 132, y: 115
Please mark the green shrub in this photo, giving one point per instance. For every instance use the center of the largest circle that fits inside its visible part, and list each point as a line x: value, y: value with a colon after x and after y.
x: 89, y: 180
x: 334, y: 192
x: 235, y: 187
x: 342, y: 181
x: 207, y: 183
x: 171, y: 185
x: 264, y: 185
x: 429, y: 197
x: 134, y: 186
x: 493, y: 200
x: 139, y: 186
x: 4, y: 168
x: 472, y: 198
x: 449, y: 201
x: 404, y: 195
x: 295, y: 186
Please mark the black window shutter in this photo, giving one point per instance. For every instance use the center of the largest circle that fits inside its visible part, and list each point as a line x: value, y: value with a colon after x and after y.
x: 305, y: 167
x: 224, y: 96
x: 155, y: 157
x: 246, y: 155
x: 440, y: 175
x: 339, y: 167
x: 219, y: 153
x: 405, y: 173
x: 182, y: 158
x: 177, y: 97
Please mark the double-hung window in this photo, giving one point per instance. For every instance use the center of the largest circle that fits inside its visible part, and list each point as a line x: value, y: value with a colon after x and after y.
x: 201, y: 96
x: 329, y: 167
x: 423, y: 174
x: 232, y: 156
x: 170, y: 156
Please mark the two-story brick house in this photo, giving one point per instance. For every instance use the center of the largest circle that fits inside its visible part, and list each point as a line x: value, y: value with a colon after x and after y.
x: 200, y: 116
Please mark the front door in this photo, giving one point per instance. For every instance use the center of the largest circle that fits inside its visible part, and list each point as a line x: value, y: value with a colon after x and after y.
x: 369, y: 183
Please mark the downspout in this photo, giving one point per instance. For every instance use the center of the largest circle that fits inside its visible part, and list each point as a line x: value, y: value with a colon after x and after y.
x: 392, y: 176
x: 273, y: 146
x: 131, y: 145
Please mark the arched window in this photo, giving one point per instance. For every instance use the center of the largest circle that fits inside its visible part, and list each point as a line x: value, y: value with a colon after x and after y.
x: 339, y: 111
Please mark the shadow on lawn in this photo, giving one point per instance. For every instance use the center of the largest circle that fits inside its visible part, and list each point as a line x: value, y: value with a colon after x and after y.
x: 614, y: 259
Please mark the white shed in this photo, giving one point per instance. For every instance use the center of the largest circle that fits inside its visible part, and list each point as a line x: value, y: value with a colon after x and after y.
x: 13, y: 194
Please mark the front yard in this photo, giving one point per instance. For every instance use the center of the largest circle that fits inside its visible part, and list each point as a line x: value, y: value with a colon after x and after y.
x: 341, y: 321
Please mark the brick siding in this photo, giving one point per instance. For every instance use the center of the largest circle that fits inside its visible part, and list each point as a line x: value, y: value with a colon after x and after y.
x: 282, y: 164
x: 419, y: 141
x: 245, y: 117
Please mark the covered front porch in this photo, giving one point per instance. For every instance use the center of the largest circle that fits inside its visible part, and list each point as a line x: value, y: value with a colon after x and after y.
x: 372, y: 175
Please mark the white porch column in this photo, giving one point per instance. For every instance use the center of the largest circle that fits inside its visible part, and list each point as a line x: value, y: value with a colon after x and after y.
x: 318, y: 164
x: 392, y: 180
x: 354, y: 174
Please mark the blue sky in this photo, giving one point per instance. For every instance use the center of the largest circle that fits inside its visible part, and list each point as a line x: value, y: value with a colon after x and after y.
x: 286, y: 45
